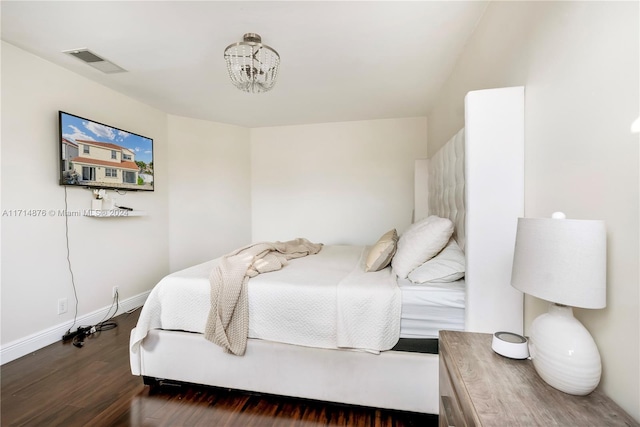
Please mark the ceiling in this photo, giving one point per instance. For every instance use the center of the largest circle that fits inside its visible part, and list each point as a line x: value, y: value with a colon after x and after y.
x: 341, y: 61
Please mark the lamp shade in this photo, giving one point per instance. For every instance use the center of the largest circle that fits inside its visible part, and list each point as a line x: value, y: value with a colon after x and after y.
x: 561, y: 260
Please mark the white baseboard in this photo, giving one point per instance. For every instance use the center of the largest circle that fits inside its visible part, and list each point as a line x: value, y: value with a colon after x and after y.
x: 33, y: 342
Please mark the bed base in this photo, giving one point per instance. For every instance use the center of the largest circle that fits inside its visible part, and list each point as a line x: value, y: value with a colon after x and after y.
x: 392, y: 379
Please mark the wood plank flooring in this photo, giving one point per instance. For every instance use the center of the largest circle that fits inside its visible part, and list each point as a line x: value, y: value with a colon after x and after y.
x: 61, y: 385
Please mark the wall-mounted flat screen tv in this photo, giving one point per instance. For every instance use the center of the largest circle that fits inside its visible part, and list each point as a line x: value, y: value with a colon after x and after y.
x: 95, y: 155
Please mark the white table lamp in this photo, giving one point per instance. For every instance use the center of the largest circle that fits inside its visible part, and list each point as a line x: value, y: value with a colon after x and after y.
x: 562, y: 261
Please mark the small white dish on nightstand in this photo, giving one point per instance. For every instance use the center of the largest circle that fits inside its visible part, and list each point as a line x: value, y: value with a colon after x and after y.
x: 510, y: 345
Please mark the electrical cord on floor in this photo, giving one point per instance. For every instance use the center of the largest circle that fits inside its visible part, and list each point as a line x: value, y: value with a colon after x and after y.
x: 107, y: 323
x: 133, y: 310
x: 77, y: 337
x: 116, y: 302
x: 73, y: 282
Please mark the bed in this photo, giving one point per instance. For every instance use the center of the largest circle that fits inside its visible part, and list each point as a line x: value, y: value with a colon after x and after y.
x: 477, y: 182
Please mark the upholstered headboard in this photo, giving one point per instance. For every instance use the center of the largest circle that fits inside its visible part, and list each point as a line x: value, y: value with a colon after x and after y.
x: 477, y: 180
x: 446, y: 185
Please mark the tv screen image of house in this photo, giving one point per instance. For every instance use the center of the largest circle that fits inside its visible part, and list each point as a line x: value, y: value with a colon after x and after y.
x: 96, y: 155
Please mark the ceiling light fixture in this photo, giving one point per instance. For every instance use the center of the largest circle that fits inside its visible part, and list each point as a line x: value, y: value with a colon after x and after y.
x: 252, y: 66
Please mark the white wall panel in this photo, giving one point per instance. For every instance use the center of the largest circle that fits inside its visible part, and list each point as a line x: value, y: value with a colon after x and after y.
x: 579, y: 62
x: 209, y: 181
x: 335, y: 183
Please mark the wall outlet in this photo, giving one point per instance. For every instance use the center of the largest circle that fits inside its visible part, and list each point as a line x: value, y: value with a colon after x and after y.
x: 62, y: 305
x: 114, y: 291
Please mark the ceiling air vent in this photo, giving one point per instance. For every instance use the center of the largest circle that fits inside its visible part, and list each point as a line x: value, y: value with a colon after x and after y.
x: 97, y: 62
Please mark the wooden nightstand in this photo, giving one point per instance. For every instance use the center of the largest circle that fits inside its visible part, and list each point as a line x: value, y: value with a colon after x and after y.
x: 481, y: 388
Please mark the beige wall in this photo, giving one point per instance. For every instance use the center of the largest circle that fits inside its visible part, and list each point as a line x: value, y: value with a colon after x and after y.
x: 103, y: 254
x: 579, y: 64
x: 98, y: 153
x: 335, y: 183
x: 209, y: 190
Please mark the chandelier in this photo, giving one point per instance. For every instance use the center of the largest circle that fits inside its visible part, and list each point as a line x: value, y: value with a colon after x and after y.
x: 252, y: 66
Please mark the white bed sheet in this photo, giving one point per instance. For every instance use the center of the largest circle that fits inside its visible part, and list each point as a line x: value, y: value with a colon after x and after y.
x: 271, y: 304
x: 327, y: 300
x: 299, y: 304
x: 184, y: 296
x: 428, y: 309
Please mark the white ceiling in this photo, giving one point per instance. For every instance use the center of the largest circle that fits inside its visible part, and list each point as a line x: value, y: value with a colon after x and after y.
x: 341, y: 61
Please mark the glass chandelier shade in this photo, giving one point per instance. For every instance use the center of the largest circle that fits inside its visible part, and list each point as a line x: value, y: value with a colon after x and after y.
x: 253, y: 66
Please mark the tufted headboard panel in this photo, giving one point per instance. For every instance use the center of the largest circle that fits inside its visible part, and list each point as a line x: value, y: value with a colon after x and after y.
x: 447, y: 186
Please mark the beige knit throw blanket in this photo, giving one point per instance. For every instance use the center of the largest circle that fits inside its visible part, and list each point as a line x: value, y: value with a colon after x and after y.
x: 228, y: 320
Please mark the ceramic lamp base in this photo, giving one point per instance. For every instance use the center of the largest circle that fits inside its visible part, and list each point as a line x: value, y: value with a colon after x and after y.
x: 563, y: 352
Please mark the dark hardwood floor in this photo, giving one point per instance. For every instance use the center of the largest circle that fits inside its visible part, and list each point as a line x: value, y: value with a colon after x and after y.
x: 61, y: 385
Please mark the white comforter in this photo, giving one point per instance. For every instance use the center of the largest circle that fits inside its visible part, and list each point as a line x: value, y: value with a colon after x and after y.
x: 324, y: 300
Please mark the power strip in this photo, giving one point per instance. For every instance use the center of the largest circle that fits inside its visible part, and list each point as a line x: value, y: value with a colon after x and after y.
x: 82, y: 332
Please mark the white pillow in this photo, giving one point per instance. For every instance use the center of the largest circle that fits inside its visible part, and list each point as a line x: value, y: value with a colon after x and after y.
x: 447, y: 266
x: 421, y: 242
x: 380, y: 254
